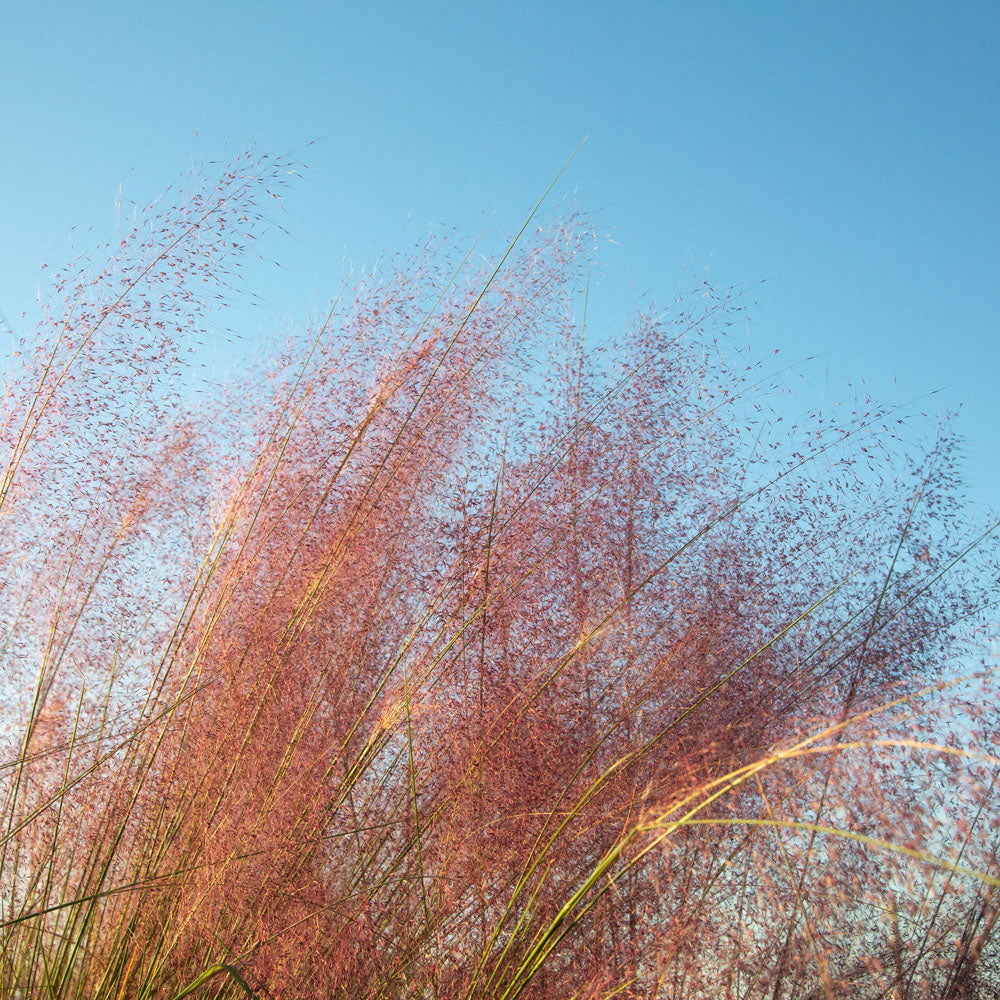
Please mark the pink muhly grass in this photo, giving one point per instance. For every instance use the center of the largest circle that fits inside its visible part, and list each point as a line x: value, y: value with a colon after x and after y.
x: 446, y: 657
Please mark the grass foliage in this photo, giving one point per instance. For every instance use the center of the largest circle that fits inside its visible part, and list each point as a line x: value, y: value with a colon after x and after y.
x: 444, y: 656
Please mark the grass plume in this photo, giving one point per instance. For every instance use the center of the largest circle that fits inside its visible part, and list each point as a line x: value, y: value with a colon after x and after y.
x: 444, y: 657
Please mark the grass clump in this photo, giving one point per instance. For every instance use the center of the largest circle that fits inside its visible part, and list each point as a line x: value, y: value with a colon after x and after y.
x: 442, y: 657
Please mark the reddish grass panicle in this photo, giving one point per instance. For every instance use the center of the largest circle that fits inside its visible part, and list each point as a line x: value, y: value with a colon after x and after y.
x: 444, y: 656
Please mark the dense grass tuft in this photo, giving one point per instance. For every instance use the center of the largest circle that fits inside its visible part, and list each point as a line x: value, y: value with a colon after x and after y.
x: 444, y: 657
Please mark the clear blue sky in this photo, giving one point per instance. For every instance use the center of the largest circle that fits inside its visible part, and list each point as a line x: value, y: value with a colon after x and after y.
x: 849, y: 153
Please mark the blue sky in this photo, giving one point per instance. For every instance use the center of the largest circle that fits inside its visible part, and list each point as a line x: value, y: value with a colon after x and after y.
x: 846, y: 153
